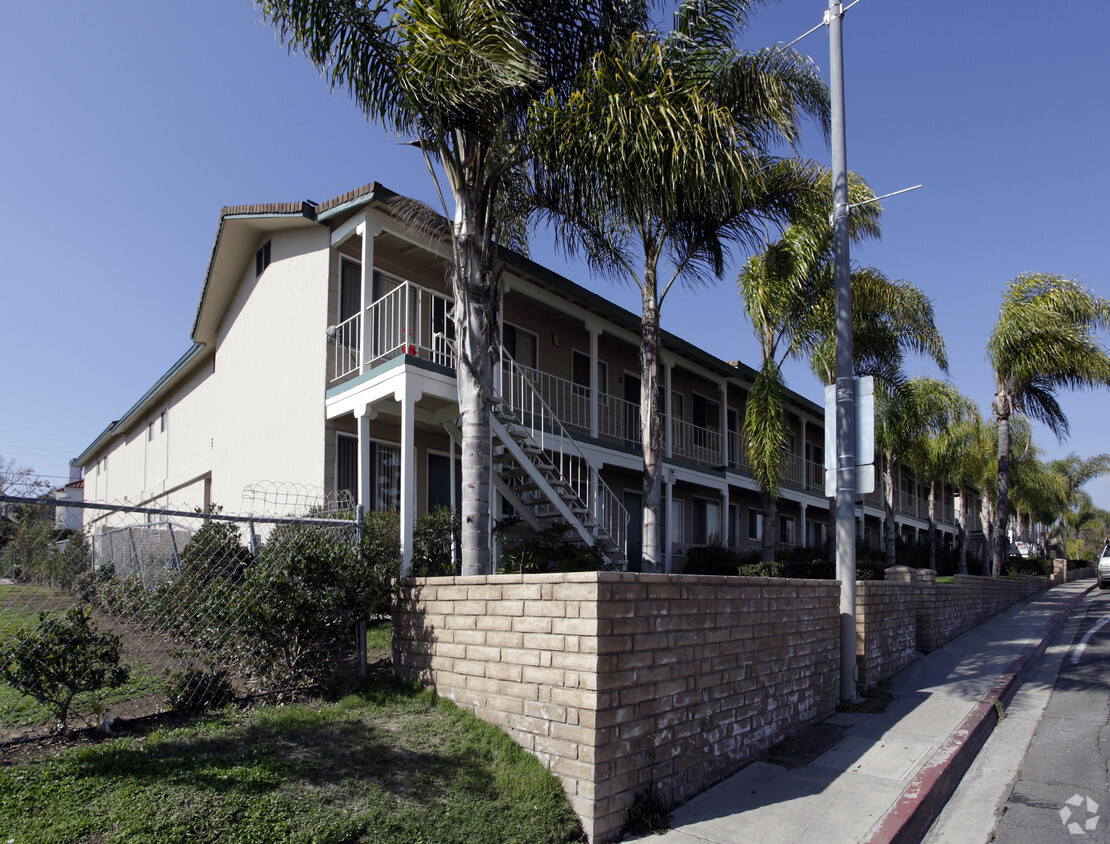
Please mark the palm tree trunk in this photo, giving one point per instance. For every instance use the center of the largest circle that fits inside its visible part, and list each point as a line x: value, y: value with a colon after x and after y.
x: 933, y: 525
x: 651, y: 426
x: 888, y: 521
x: 477, y: 303
x: 770, y: 512
x: 1002, y: 507
x: 988, y: 534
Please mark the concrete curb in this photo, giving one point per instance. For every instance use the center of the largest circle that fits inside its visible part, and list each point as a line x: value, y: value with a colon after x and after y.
x: 922, y: 800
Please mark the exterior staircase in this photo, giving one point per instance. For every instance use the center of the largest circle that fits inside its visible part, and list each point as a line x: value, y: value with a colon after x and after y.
x: 543, y: 474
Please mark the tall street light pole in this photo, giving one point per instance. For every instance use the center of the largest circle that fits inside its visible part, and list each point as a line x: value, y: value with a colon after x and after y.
x: 845, y: 387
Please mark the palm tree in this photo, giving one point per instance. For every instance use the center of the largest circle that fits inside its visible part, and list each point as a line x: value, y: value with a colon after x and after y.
x: 661, y: 159
x: 904, y: 419
x: 935, y: 456
x: 1074, y: 473
x: 784, y: 289
x: 458, y: 76
x: 1044, y: 340
x: 890, y: 318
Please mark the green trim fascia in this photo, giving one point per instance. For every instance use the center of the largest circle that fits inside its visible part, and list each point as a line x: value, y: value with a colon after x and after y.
x: 122, y: 423
x: 400, y: 360
x: 380, y: 194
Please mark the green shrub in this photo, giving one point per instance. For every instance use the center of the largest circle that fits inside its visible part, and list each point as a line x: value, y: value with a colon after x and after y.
x: 62, y: 657
x: 310, y: 588
x: 1015, y: 565
x: 811, y: 570
x: 194, y: 689
x: 216, y: 551
x: 436, y: 541
x: 712, y: 559
x: 544, y: 551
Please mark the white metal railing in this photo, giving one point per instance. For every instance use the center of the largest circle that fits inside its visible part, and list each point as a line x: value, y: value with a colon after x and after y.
x: 570, y: 402
x: 346, y: 338
x: 408, y: 320
x: 695, y: 443
x: 520, y: 394
x: 619, y: 420
x: 737, y: 451
x: 815, y: 475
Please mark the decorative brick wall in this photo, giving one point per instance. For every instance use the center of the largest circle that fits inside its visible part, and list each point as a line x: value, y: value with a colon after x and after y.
x: 886, y: 632
x: 945, y: 610
x: 623, y: 682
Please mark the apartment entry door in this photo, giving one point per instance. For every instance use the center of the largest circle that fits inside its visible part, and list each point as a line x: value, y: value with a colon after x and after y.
x: 633, y: 504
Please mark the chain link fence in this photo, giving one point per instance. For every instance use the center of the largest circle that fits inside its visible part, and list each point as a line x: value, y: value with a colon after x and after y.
x: 147, y: 607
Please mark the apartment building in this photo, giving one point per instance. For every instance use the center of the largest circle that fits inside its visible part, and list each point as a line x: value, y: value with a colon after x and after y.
x: 323, y: 355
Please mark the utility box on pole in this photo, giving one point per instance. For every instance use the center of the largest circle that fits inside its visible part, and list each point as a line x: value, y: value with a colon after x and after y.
x: 865, y: 437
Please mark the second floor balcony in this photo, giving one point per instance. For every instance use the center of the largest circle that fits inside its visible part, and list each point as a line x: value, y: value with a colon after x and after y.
x: 415, y: 322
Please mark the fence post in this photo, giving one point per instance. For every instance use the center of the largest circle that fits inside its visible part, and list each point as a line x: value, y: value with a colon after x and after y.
x: 360, y: 534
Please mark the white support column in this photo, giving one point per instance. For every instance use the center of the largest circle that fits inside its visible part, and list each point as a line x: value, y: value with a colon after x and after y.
x: 408, y: 396
x: 802, y: 518
x: 594, y: 386
x: 723, y: 423
x: 367, y: 232
x: 365, y: 473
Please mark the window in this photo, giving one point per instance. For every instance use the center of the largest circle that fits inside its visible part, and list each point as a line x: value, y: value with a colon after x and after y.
x: 150, y: 430
x: 443, y: 332
x: 786, y: 530
x: 678, y: 525
x: 162, y: 422
x: 580, y: 375
x: 385, y: 468
x: 755, y: 523
x: 386, y: 463
x: 346, y: 464
x: 521, y: 345
x: 817, y: 534
x: 678, y: 415
x: 707, y: 521
x: 733, y: 419
x: 262, y: 259
x: 350, y: 288
x: 439, y: 481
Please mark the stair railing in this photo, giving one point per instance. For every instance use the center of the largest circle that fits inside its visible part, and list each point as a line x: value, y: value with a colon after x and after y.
x: 519, y: 393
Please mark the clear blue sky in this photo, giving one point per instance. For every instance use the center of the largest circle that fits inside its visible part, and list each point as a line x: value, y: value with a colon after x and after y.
x: 126, y: 125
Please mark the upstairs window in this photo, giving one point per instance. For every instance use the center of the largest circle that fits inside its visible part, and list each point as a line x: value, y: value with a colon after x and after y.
x: 262, y: 259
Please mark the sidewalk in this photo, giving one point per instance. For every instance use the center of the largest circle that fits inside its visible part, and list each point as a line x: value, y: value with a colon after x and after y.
x: 883, y: 777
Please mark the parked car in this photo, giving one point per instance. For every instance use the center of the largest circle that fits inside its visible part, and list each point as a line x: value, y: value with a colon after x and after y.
x: 1104, y: 568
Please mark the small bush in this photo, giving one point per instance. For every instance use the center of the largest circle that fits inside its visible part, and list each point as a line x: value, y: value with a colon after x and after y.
x: 436, y: 541
x: 545, y: 551
x: 712, y: 559
x: 196, y: 690
x: 62, y: 657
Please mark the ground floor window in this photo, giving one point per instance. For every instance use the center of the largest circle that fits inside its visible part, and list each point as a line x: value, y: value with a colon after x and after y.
x: 755, y: 523
x: 786, y: 530
x: 385, y: 472
x: 707, y: 521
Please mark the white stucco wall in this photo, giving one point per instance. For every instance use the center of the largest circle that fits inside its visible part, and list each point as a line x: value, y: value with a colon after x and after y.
x: 268, y: 399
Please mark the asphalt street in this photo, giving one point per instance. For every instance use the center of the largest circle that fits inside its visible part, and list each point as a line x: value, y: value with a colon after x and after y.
x: 1043, y: 775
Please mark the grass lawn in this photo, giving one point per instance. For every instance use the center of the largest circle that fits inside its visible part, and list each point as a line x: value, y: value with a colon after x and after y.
x: 383, y: 764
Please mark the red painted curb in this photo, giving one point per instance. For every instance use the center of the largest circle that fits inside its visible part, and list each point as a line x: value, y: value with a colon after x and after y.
x: 922, y: 800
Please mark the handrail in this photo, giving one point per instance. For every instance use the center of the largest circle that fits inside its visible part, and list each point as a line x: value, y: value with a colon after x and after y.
x: 547, y: 430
